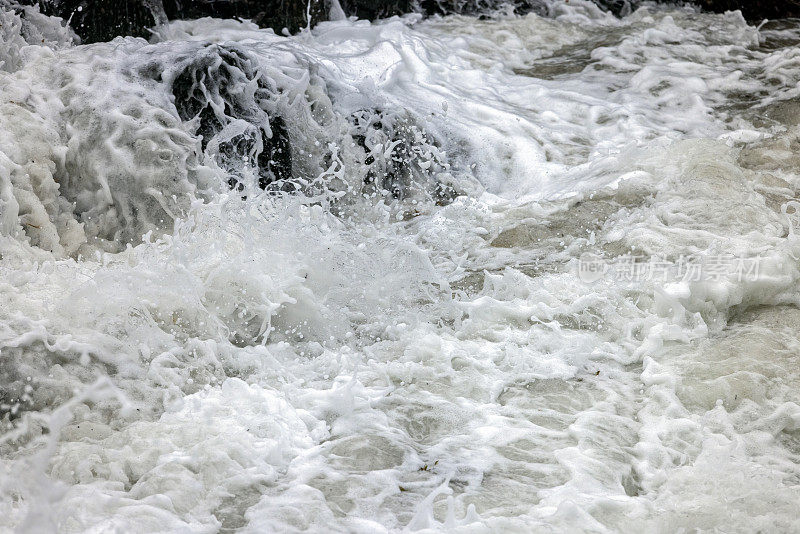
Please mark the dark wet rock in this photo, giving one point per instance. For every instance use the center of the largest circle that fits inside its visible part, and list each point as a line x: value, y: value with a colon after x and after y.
x: 209, y: 92
x: 290, y: 14
x: 617, y: 7
x: 381, y: 9
x: 294, y: 15
x: 400, y: 155
x: 755, y: 10
x: 102, y: 20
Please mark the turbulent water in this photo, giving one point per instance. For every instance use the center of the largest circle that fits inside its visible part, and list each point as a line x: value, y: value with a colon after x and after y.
x: 529, y: 273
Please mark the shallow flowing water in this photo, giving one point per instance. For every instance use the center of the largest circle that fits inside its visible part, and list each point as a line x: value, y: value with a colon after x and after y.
x: 529, y: 273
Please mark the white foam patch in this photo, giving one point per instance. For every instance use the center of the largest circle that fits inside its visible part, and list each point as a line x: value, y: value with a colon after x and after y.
x: 176, y: 355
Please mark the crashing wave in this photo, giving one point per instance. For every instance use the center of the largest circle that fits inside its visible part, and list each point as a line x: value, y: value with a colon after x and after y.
x: 105, y: 143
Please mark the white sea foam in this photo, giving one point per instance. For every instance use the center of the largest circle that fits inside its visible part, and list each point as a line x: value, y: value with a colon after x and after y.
x: 368, y: 353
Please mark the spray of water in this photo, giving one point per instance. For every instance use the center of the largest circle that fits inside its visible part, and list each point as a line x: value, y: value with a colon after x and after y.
x: 338, y: 281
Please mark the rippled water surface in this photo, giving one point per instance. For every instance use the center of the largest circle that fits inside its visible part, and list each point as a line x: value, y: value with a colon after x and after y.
x: 529, y: 273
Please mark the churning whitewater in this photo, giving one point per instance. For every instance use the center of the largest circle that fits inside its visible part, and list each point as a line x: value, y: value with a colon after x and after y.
x: 512, y: 273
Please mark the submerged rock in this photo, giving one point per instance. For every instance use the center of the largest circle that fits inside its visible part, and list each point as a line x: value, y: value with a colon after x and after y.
x: 400, y: 155
x: 236, y: 126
